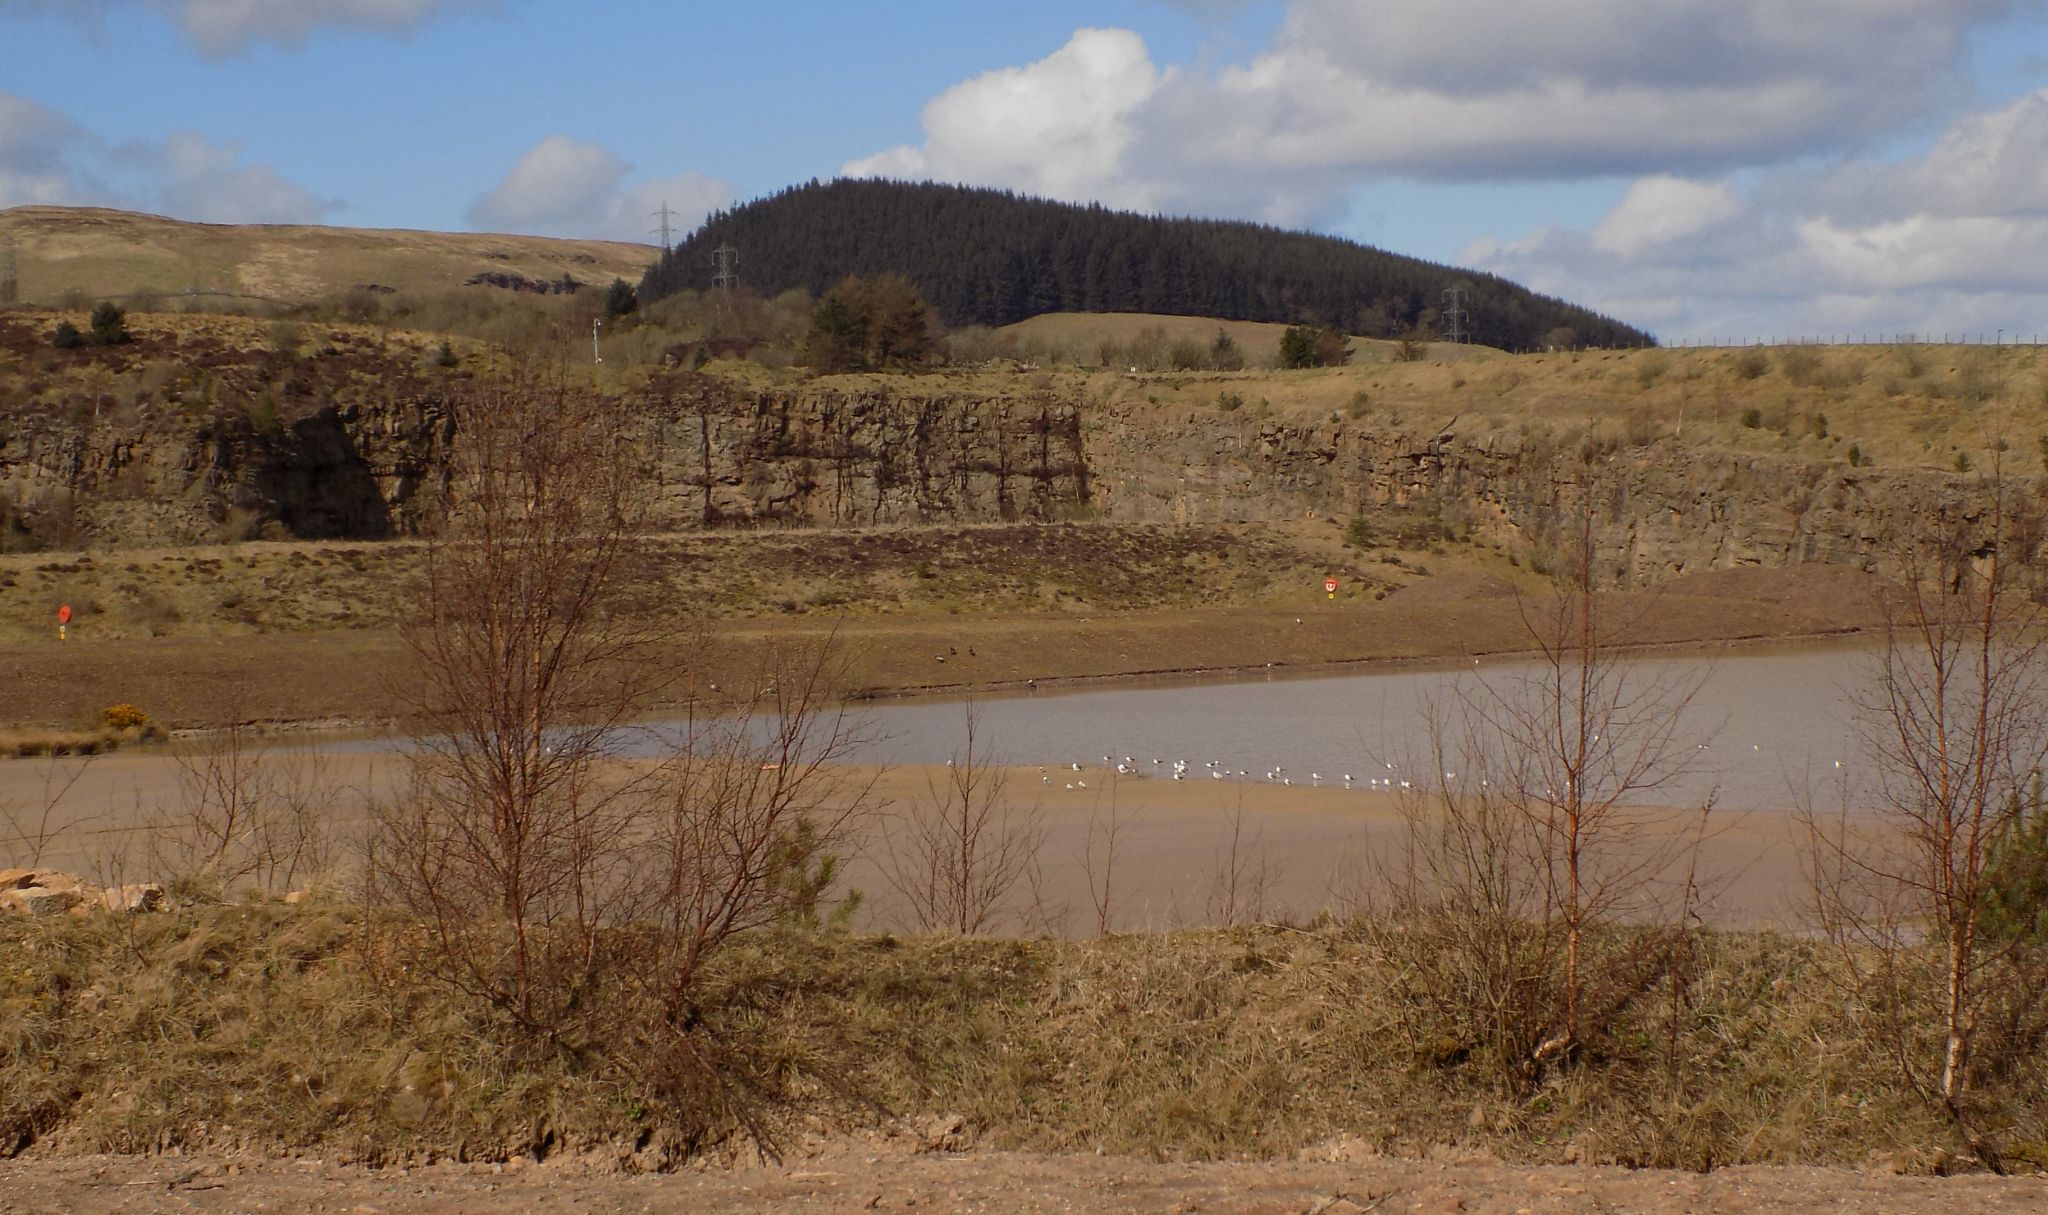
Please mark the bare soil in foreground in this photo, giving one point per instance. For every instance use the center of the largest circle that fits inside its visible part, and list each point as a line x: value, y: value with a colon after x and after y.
x: 894, y: 1177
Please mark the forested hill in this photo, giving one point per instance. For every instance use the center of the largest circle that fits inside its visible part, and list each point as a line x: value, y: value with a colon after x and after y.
x: 991, y: 257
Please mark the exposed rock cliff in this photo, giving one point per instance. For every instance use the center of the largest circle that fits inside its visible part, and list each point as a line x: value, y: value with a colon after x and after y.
x: 832, y: 455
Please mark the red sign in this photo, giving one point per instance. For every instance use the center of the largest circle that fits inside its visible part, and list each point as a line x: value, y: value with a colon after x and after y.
x: 64, y: 614
x: 1330, y: 585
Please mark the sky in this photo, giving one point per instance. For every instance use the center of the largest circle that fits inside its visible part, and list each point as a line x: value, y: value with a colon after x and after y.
x: 1706, y: 169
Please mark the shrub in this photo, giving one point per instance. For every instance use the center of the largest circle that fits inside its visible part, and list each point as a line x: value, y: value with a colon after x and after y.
x: 110, y: 325
x: 1225, y: 354
x: 1313, y: 346
x: 122, y: 716
x: 1801, y: 364
x: 1752, y: 418
x: 1229, y: 402
x: 66, y: 336
x: 1751, y: 364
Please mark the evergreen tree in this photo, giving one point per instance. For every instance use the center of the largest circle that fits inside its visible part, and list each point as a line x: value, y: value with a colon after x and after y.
x: 989, y: 257
x: 109, y: 325
x: 620, y: 300
x: 838, y: 340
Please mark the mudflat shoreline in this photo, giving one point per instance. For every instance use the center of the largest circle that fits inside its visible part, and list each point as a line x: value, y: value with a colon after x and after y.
x: 354, y: 679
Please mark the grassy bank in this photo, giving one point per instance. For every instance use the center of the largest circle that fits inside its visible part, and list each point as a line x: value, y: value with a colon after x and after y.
x: 275, y: 1029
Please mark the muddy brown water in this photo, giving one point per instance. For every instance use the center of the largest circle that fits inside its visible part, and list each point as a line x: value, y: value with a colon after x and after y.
x: 1763, y: 727
x: 1773, y: 722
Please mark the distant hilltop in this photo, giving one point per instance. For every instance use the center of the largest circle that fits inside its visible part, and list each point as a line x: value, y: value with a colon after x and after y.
x: 68, y: 254
x: 991, y: 257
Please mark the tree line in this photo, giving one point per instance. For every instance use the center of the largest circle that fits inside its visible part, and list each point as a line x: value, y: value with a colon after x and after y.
x: 992, y: 257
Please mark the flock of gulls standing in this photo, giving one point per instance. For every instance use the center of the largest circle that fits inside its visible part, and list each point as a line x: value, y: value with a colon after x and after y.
x: 1181, y: 769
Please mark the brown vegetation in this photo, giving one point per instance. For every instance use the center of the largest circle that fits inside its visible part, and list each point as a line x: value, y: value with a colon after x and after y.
x: 1951, y: 974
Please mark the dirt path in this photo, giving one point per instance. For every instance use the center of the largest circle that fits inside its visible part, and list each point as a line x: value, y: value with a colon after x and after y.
x: 875, y: 1177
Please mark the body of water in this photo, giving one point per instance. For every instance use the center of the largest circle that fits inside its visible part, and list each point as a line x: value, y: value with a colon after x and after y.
x: 1763, y: 722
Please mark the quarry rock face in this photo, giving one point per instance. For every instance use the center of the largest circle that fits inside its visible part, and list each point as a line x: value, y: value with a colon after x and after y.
x: 824, y: 454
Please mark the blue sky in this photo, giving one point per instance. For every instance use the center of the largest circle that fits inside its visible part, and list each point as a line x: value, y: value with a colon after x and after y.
x: 1706, y: 168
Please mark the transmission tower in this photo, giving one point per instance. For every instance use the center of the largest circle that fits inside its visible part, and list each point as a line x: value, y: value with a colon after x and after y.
x: 727, y: 259
x: 10, y: 277
x: 1455, y: 315
x: 663, y: 215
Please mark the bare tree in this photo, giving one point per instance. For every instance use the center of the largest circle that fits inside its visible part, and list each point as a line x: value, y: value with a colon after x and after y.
x: 530, y: 654
x: 26, y: 832
x: 248, y: 813
x: 582, y: 891
x: 740, y: 830
x: 1099, y: 856
x: 746, y: 817
x: 1956, y: 720
x: 1244, y: 875
x: 955, y: 855
x: 1594, y: 742
x: 1541, y: 818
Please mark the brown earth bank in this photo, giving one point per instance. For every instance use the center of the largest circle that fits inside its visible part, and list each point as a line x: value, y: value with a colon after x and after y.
x: 1314, y: 850
x: 888, y: 1176
x: 358, y: 677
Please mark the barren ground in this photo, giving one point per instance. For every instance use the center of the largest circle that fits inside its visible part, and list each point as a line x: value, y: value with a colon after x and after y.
x: 889, y: 1177
x: 348, y: 676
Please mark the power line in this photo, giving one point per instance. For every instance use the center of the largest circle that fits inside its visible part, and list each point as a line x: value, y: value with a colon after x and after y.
x: 727, y: 260
x: 1455, y: 315
x: 663, y: 215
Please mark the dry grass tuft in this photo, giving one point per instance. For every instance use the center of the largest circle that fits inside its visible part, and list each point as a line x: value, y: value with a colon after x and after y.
x: 279, y: 1029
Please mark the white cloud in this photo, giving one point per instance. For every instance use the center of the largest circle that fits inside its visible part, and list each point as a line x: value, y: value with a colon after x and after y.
x: 32, y: 143
x: 566, y: 187
x: 1060, y: 127
x: 225, y: 27
x: 1496, y: 90
x: 48, y: 159
x: 1952, y: 240
x: 1662, y: 209
x: 1716, y: 109
x: 199, y: 179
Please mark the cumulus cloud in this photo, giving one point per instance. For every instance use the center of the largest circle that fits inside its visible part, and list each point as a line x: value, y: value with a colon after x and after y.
x: 225, y: 27
x: 1715, y: 109
x: 1061, y: 127
x: 1503, y: 90
x: 33, y: 140
x: 1953, y: 240
x: 1662, y: 209
x: 47, y: 158
x: 196, y: 178
x: 566, y: 187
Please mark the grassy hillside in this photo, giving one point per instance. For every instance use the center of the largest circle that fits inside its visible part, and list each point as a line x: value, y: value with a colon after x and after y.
x: 73, y: 252
x: 1078, y: 336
